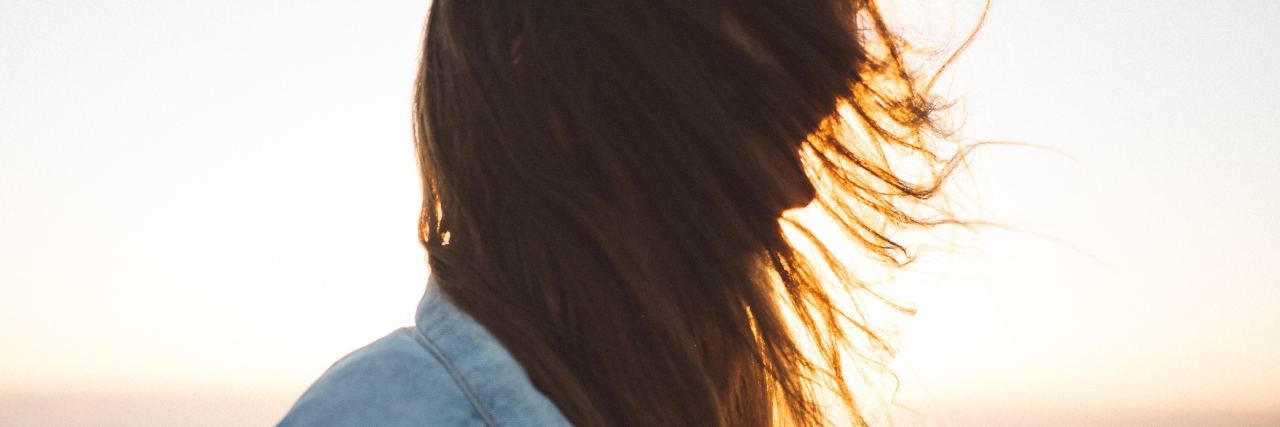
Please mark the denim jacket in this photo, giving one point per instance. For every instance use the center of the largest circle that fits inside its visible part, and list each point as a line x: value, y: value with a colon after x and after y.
x: 446, y: 370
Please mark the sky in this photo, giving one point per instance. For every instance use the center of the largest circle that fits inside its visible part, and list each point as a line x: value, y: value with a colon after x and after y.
x: 210, y: 202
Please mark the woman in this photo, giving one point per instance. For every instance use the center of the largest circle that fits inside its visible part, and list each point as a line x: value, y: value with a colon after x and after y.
x: 604, y: 183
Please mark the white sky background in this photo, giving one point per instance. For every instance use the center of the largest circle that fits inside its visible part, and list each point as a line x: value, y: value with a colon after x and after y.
x: 219, y: 199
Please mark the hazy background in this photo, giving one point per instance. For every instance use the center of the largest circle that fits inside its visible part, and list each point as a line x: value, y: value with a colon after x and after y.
x: 204, y: 204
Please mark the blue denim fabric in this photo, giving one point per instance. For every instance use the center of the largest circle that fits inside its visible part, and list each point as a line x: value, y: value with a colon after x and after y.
x: 446, y: 370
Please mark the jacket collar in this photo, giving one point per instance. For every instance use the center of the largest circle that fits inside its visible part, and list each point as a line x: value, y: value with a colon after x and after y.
x: 480, y: 364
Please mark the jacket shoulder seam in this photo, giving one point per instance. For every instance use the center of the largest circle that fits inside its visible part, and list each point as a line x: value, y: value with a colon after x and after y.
x: 458, y: 378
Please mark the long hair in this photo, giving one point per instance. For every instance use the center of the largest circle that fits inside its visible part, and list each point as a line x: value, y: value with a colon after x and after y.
x: 597, y: 192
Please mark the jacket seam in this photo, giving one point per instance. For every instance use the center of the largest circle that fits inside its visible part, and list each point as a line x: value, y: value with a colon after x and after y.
x: 466, y: 388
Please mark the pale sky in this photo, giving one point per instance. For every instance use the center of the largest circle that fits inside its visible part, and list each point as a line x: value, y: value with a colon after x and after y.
x: 219, y: 199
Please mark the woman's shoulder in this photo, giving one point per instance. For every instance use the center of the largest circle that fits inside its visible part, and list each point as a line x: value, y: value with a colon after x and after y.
x: 446, y: 370
x: 391, y: 381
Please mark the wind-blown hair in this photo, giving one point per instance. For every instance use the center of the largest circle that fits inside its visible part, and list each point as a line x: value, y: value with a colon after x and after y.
x: 594, y: 194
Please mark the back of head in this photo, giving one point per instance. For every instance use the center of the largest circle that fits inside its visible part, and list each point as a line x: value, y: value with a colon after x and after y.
x: 603, y: 182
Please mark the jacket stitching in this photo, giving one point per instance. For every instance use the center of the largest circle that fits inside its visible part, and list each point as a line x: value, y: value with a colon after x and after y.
x: 457, y: 378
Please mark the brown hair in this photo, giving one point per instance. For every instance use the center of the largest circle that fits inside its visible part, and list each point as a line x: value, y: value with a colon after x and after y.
x: 594, y: 194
